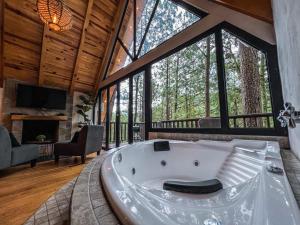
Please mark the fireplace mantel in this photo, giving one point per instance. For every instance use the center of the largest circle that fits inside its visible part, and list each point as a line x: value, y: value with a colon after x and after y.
x: 33, y: 117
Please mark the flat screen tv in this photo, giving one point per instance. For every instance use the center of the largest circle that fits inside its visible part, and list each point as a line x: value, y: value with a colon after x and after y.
x: 39, y: 97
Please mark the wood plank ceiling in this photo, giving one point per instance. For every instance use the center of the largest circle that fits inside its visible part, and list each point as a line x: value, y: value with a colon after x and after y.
x: 72, y: 60
x: 67, y: 60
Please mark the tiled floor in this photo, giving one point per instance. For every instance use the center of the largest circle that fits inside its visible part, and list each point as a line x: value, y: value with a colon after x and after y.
x: 56, y: 210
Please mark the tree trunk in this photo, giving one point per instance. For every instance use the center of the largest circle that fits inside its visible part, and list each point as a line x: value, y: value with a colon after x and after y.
x: 207, y: 73
x: 176, y: 87
x: 167, y: 92
x: 136, y: 80
x: 263, y: 84
x: 250, y: 83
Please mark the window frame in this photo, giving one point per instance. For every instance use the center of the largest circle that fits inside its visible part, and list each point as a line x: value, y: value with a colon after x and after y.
x: 136, y: 54
x: 275, y: 88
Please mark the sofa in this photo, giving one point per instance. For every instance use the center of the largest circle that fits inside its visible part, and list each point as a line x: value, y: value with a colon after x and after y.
x: 87, y: 140
x: 12, y: 156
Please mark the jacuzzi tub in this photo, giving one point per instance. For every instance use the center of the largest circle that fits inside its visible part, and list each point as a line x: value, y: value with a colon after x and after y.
x: 133, y: 180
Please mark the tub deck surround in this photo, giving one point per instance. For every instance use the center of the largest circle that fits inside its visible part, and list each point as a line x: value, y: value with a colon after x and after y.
x: 89, y: 206
x: 251, y: 194
x: 291, y: 165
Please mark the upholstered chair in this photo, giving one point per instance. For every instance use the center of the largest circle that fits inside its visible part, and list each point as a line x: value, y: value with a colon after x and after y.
x: 89, y: 140
x: 12, y: 156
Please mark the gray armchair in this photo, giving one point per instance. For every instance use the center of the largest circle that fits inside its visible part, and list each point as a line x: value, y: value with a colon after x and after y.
x: 89, y: 140
x: 11, y: 156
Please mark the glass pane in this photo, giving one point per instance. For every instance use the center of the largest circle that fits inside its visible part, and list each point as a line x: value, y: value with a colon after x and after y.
x: 144, y: 11
x: 185, y: 90
x: 126, y: 31
x: 112, y: 112
x: 103, y: 113
x: 138, y: 108
x: 119, y: 60
x: 169, y: 19
x: 247, y: 81
x: 124, y: 104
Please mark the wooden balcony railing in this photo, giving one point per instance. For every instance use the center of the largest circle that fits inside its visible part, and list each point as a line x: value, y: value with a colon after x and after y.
x: 262, y: 120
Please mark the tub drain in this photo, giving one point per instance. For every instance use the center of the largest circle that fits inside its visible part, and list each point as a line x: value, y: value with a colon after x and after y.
x: 163, y: 163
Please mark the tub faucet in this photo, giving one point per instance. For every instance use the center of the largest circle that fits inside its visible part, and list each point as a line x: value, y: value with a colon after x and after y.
x: 289, y: 116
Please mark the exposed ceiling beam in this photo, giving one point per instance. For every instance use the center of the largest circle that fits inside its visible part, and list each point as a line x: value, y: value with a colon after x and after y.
x: 43, y: 55
x: 117, y: 23
x: 1, y: 42
x: 260, y: 9
x: 88, y: 14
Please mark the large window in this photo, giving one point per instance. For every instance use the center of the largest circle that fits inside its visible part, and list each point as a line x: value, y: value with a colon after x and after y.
x: 247, y: 81
x: 185, y: 91
x: 146, y: 24
x: 138, y: 107
x: 225, y: 81
x: 124, y: 106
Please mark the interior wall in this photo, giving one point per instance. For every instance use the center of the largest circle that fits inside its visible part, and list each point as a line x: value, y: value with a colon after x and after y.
x: 9, y: 107
x: 287, y: 29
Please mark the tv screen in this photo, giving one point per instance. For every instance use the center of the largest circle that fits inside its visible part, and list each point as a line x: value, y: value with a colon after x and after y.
x: 39, y: 97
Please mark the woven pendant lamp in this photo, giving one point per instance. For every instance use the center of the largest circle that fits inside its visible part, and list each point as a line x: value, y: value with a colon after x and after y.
x: 55, y: 14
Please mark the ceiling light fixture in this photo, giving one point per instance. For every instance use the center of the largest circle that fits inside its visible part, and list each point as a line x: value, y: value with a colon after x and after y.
x: 55, y: 14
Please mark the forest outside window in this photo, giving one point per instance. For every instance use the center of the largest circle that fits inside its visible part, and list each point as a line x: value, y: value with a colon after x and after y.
x: 185, y: 92
x: 247, y: 81
x: 221, y: 82
x: 146, y: 25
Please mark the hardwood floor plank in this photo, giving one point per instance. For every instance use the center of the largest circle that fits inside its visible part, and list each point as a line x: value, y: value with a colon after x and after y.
x: 24, y: 189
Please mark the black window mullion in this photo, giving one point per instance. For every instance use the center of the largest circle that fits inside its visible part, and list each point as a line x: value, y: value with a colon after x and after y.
x: 275, y: 88
x: 221, y: 80
x: 147, y: 28
x: 130, y: 111
x: 99, y: 106
x: 125, y: 49
x: 148, y: 101
x: 115, y: 40
x: 118, y: 113
x: 107, y: 119
x: 134, y: 29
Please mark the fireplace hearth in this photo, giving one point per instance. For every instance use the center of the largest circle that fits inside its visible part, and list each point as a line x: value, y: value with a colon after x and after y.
x: 34, y: 128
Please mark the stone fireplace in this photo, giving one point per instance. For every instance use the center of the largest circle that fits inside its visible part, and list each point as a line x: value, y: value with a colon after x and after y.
x: 33, y: 128
x: 27, y: 127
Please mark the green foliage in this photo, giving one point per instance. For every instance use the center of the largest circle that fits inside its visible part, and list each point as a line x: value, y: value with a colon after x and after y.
x: 86, y: 105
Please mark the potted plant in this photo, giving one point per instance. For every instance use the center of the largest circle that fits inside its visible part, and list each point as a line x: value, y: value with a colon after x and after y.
x: 40, y: 138
x: 86, y: 105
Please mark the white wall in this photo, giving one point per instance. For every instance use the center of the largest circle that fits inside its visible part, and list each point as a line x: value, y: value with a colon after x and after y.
x: 287, y: 29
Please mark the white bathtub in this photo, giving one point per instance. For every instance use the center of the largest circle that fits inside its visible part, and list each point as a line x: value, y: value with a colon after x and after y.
x: 133, y: 182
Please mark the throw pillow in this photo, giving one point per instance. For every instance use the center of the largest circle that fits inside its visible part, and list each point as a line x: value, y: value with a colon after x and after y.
x: 13, y: 140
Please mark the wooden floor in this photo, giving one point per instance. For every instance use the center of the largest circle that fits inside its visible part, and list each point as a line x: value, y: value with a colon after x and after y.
x: 24, y: 189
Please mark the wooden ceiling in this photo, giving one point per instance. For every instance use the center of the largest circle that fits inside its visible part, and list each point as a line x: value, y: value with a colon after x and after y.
x: 261, y: 9
x: 71, y: 60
